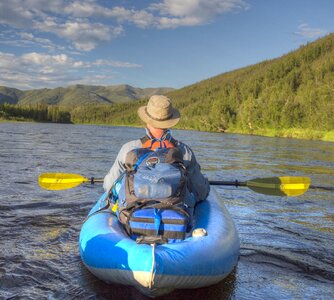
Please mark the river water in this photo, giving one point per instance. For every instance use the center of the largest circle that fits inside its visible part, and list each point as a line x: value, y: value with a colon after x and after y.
x: 287, y: 244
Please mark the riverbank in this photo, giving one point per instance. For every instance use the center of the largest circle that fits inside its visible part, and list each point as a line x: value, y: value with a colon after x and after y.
x: 22, y: 120
x: 296, y: 133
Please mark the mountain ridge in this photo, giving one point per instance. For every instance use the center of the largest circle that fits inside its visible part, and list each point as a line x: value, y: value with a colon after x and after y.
x: 79, y: 94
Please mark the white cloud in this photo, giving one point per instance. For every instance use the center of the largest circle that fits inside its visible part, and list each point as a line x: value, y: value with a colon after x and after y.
x: 115, y: 64
x: 23, y: 39
x: 84, y: 35
x: 82, y: 9
x: 15, y: 13
x: 43, y: 42
x: 306, y: 31
x: 173, y: 12
x: 51, y: 17
x: 93, y: 79
x: 75, y: 21
x: 33, y: 70
x: 176, y: 13
x: 6, y: 60
x: 44, y: 59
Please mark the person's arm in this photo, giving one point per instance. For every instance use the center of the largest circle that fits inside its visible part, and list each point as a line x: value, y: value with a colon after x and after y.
x: 115, y: 171
x: 198, y: 184
x: 119, y: 165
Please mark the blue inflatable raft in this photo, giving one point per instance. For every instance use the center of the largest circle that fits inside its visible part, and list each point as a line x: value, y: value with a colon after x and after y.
x: 205, y: 257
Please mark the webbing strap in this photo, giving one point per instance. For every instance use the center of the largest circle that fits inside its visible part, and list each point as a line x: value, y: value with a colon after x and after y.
x: 113, y: 191
x: 157, y: 220
x: 156, y: 205
x: 140, y: 160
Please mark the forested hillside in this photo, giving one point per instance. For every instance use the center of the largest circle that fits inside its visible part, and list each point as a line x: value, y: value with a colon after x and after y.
x: 294, y: 91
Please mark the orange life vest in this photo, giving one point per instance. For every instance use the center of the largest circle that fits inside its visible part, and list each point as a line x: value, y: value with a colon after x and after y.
x: 154, y: 144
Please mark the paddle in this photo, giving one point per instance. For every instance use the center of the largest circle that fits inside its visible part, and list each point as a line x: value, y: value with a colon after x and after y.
x: 63, y: 181
x: 275, y: 186
x: 278, y: 186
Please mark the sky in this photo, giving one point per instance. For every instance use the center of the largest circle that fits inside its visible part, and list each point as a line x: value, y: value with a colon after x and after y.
x: 161, y: 43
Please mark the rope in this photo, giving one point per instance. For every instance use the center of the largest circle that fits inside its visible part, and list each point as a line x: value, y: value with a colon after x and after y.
x: 150, y: 284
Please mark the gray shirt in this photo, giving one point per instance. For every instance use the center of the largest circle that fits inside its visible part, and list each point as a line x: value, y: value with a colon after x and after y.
x: 197, y: 183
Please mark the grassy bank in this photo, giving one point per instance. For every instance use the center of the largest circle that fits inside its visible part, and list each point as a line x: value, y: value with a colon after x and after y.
x: 13, y: 120
x: 297, y: 133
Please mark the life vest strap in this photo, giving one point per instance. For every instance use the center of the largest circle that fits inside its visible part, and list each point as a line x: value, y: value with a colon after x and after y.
x: 153, y: 144
x: 165, y: 141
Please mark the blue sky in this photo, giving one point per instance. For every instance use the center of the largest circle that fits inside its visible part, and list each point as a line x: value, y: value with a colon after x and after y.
x: 161, y: 43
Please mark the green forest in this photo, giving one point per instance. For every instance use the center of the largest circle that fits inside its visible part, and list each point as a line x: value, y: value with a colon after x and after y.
x: 291, y: 96
x: 37, y: 113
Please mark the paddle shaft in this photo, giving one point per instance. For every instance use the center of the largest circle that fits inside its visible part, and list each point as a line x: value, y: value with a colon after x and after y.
x: 228, y: 183
x: 235, y: 183
x: 93, y: 180
x: 326, y: 188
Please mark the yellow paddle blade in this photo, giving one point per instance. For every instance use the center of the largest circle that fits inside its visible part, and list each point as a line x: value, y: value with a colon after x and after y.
x: 294, y: 186
x: 280, y: 186
x: 60, y: 181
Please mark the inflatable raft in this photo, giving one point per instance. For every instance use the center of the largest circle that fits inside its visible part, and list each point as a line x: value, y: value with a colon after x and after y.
x: 207, y: 255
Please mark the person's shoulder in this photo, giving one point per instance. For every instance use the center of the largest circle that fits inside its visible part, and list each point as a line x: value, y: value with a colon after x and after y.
x: 183, y: 145
x: 186, y: 150
x: 131, y: 145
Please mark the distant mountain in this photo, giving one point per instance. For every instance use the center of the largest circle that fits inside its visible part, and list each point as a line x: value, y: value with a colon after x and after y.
x: 78, y: 95
x: 9, y: 95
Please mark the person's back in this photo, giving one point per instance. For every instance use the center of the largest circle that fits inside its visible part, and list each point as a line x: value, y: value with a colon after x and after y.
x: 159, y: 115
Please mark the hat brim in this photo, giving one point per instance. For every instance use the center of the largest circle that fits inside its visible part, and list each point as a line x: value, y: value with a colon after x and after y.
x: 172, y: 121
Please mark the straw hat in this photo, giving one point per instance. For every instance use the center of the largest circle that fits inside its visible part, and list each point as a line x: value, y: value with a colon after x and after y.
x: 159, y: 112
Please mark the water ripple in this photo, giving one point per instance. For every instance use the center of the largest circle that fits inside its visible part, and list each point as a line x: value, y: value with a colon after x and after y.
x: 287, y: 244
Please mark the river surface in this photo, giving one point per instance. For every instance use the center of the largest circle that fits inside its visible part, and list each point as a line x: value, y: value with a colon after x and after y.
x: 287, y: 244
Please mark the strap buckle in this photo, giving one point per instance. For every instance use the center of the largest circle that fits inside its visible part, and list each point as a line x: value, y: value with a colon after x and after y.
x: 159, y: 239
